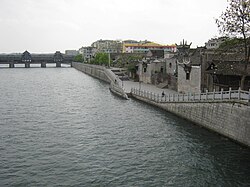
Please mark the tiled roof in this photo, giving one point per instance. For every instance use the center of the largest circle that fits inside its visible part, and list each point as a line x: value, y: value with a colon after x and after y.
x: 156, y: 53
x: 228, y: 68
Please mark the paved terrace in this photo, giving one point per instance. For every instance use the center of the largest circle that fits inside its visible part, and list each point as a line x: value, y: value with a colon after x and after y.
x: 128, y: 85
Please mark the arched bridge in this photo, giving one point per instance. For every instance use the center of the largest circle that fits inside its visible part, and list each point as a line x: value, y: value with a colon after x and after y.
x: 27, y: 59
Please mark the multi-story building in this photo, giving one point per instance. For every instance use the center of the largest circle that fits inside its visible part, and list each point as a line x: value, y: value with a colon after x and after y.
x: 214, y: 43
x: 71, y: 52
x: 108, y: 46
x: 131, y: 46
x: 87, y: 52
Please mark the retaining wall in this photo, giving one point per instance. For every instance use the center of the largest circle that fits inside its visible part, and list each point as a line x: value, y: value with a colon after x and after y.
x: 95, y: 71
x: 226, y: 118
x: 104, y: 74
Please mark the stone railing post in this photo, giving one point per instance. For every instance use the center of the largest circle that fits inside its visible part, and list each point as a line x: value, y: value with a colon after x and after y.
x: 249, y: 96
x: 221, y: 93
x: 206, y: 94
x: 230, y: 89
x: 239, y: 93
x: 214, y: 94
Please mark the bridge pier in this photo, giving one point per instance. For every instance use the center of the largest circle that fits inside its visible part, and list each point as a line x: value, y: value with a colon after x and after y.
x: 27, y: 65
x: 43, y: 64
x: 11, y: 65
x: 58, y: 64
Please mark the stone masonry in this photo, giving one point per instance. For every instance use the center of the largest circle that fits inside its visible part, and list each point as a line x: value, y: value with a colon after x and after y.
x: 228, y: 119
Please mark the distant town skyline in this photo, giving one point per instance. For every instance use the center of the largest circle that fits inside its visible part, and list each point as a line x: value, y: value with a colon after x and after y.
x: 57, y: 25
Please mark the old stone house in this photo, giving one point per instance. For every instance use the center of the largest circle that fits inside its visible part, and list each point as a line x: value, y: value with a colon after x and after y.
x: 152, y: 68
x: 189, y: 78
x: 189, y: 69
x: 225, y: 71
x: 171, y: 71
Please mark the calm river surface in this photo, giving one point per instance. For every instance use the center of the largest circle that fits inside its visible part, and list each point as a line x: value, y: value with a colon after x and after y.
x: 60, y: 127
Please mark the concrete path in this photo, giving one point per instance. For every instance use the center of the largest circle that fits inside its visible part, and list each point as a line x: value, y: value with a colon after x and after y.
x: 127, y: 85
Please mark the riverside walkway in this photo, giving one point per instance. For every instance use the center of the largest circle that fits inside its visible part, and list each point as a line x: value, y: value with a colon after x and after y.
x: 128, y: 85
x: 222, y: 96
x: 154, y: 93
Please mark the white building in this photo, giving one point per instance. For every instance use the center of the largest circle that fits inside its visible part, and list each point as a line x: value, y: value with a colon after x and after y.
x: 214, y: 43
x: 87, y: 52
x: 107, y: 46
x: 71, y: 52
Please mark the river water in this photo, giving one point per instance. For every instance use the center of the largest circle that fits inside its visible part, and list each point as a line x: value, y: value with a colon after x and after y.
x: 60, y: 127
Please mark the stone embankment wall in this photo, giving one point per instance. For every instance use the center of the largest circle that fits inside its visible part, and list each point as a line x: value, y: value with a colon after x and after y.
x: 226, y: 118
x: 104, y: 74
x: 95, y: 71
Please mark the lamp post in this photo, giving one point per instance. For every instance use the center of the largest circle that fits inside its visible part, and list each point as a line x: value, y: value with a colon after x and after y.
x: 140, y: 75
x: 122, y: 80
x: 109, y: 60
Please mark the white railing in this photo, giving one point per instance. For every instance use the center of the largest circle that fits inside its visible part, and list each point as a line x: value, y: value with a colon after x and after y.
x: 239, y: 95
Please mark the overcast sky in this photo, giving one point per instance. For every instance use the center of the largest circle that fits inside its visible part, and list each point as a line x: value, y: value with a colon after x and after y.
x: 51, y: 25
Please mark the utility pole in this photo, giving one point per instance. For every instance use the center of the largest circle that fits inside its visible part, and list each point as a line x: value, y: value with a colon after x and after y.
x: 109, y: 59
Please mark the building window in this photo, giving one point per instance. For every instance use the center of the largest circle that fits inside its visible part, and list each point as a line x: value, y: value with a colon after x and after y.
x: 161, y: 69
x: 170, y: 65
x: 187, y: 75
x: 144, y: 70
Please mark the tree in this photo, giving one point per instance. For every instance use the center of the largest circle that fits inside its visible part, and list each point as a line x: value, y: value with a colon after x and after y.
x: 235, y: 21
x: 101, y: 58
x: 78, y: 58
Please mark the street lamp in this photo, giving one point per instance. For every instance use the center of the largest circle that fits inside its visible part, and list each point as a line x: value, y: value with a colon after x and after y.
x: 109, y: 58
